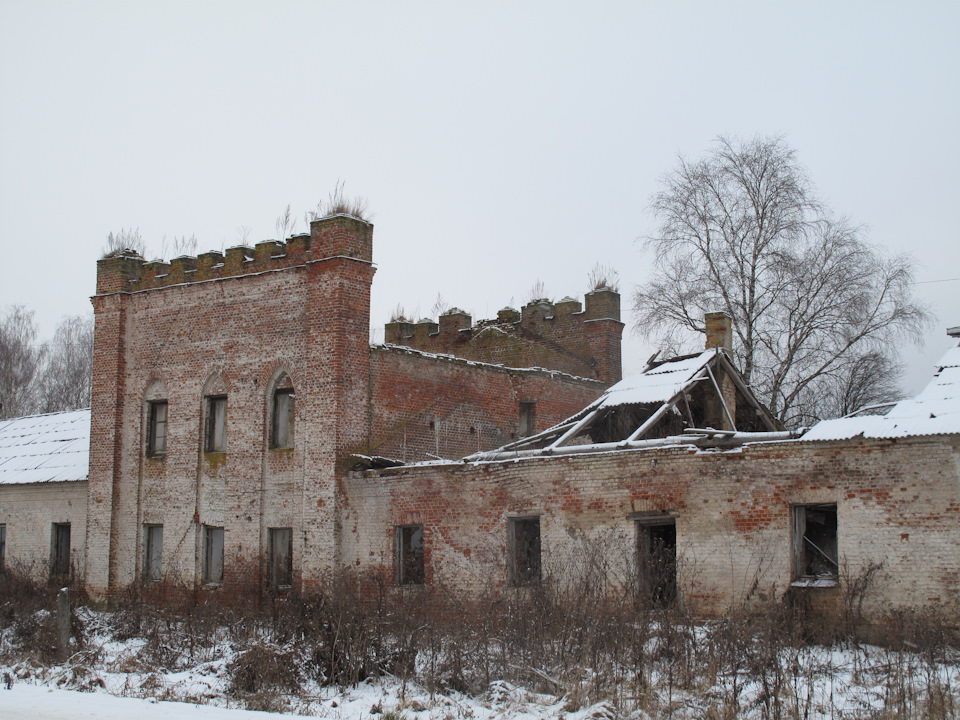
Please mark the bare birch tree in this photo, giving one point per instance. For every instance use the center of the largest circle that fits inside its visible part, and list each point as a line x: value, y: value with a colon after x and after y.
x: 65, y: 381
x: 20, y: 361
x: 742, y: 231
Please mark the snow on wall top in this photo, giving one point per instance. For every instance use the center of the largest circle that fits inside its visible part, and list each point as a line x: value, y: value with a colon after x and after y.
x: 935, y: 411
x: 658, y: 385
x: 45, y: 448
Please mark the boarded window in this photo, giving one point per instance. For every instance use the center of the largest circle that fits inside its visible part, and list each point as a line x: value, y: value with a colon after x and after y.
x: 212, y: 554
x: 524, y: 545
x: 153, y: 560
x: 656, y: 560
x: 280, y: 571
x: 3, y: 547
x: 410, y: 562
x: 215, y: 435
x: 526, y: 418
x: 283, y: 414
x: 157, y: 428
x: 60, y: 550
x: 815, y: 549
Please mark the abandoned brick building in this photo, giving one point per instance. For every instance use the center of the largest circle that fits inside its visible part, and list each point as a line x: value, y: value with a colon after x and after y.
x: 233, y: 393
x: 244, y: 437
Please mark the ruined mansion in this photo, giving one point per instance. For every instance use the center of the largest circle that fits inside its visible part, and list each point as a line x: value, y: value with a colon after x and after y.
x: 246, y: 439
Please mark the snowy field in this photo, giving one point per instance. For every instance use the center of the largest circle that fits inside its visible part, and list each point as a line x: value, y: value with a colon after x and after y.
x: 139, y: 677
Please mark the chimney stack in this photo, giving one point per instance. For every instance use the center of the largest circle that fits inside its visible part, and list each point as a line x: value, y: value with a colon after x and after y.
x: 719, y: 329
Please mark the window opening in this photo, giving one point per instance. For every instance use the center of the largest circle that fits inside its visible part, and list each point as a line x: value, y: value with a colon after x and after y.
x: 657, y: 560
x: 526, y: 418
x: 3, y: 547
x: 410, y: 560
x: 212, y: 554
x: 525, y: 550
x: 157, y: 428
x: 153, y: 562
x: 215, y: 435
x: 283, y: 414
x: 60, y: 554
x: 815, y: 548
x: 281, y: 557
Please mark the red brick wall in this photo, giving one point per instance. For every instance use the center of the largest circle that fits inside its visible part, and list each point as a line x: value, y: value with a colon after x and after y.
x: 233, y: 325
x: 237, y: 323
x: 557, y: 336
x: 424, y: 406
x: 898, y: 506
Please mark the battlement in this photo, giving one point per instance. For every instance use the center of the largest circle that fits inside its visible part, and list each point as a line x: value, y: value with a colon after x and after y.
x: 581, y: 339
x: 334, y: 236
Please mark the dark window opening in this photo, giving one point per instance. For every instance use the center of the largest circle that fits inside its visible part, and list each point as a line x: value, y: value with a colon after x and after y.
x: 153, y: 545
x: 281, y: 435
x: 212, y: 554
x: 410, y: 560
x: 157, y: 428
x: 657, y: 561
x: 215, y: 432
x: 526, y: 419
x: 280, y: 571
x: 525, y: 550
x: 815, y: 549
x: 60, y: 552
x: 3, y: 547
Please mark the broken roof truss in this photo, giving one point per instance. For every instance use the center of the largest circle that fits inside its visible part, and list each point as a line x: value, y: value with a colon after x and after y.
x: 693, y: 400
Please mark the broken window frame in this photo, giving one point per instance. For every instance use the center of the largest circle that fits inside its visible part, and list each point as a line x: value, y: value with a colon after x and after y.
x: 152, y: 552
x: 280, y: 558
x: 213, y: 537
x: 656, y: 576
x: 282, y: 418
x: 215, y: 431
x: 60, y: 565
x: 525, y: 561
x: 813, y: 551
x: 410, y: 558
x: 157, y: 428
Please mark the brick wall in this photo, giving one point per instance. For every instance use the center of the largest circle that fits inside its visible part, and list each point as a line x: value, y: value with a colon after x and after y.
x: 898, y: 505
x: 29, y: 513
x: 424, y: 407
x: 234, y: 326
x: 560, y: 336
x: 237, y: 325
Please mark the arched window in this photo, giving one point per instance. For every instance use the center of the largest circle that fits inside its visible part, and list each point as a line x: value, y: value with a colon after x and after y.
x: 282, y: 414
x: 214, y: 415
x: 156, y: 420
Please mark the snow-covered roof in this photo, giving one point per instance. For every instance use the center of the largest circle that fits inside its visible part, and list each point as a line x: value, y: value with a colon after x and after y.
x: 935, y: 411
x: 657, y: 385
x: 45, y: 448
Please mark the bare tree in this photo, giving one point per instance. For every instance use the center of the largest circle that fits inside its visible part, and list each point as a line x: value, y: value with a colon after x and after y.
x: 742, y: 231
x: 65, y: 381
x: 20, y: 361
x: 861, y: 381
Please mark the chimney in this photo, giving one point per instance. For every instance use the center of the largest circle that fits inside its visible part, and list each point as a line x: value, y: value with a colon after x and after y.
x: 719, y: 329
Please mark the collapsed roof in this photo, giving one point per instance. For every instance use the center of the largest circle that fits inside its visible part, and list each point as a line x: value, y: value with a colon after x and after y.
x: 696, y: 399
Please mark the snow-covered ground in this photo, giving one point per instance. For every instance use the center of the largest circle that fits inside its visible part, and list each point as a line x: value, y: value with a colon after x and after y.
x: 140, y: 678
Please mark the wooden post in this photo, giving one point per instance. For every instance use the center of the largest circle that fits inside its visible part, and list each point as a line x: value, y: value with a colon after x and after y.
x: 63, y: 621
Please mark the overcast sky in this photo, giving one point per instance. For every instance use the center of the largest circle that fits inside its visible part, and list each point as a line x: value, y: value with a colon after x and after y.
x: 497, y: 143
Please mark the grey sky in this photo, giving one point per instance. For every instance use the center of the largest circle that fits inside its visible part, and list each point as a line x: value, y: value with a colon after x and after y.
x: 497, y: 143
